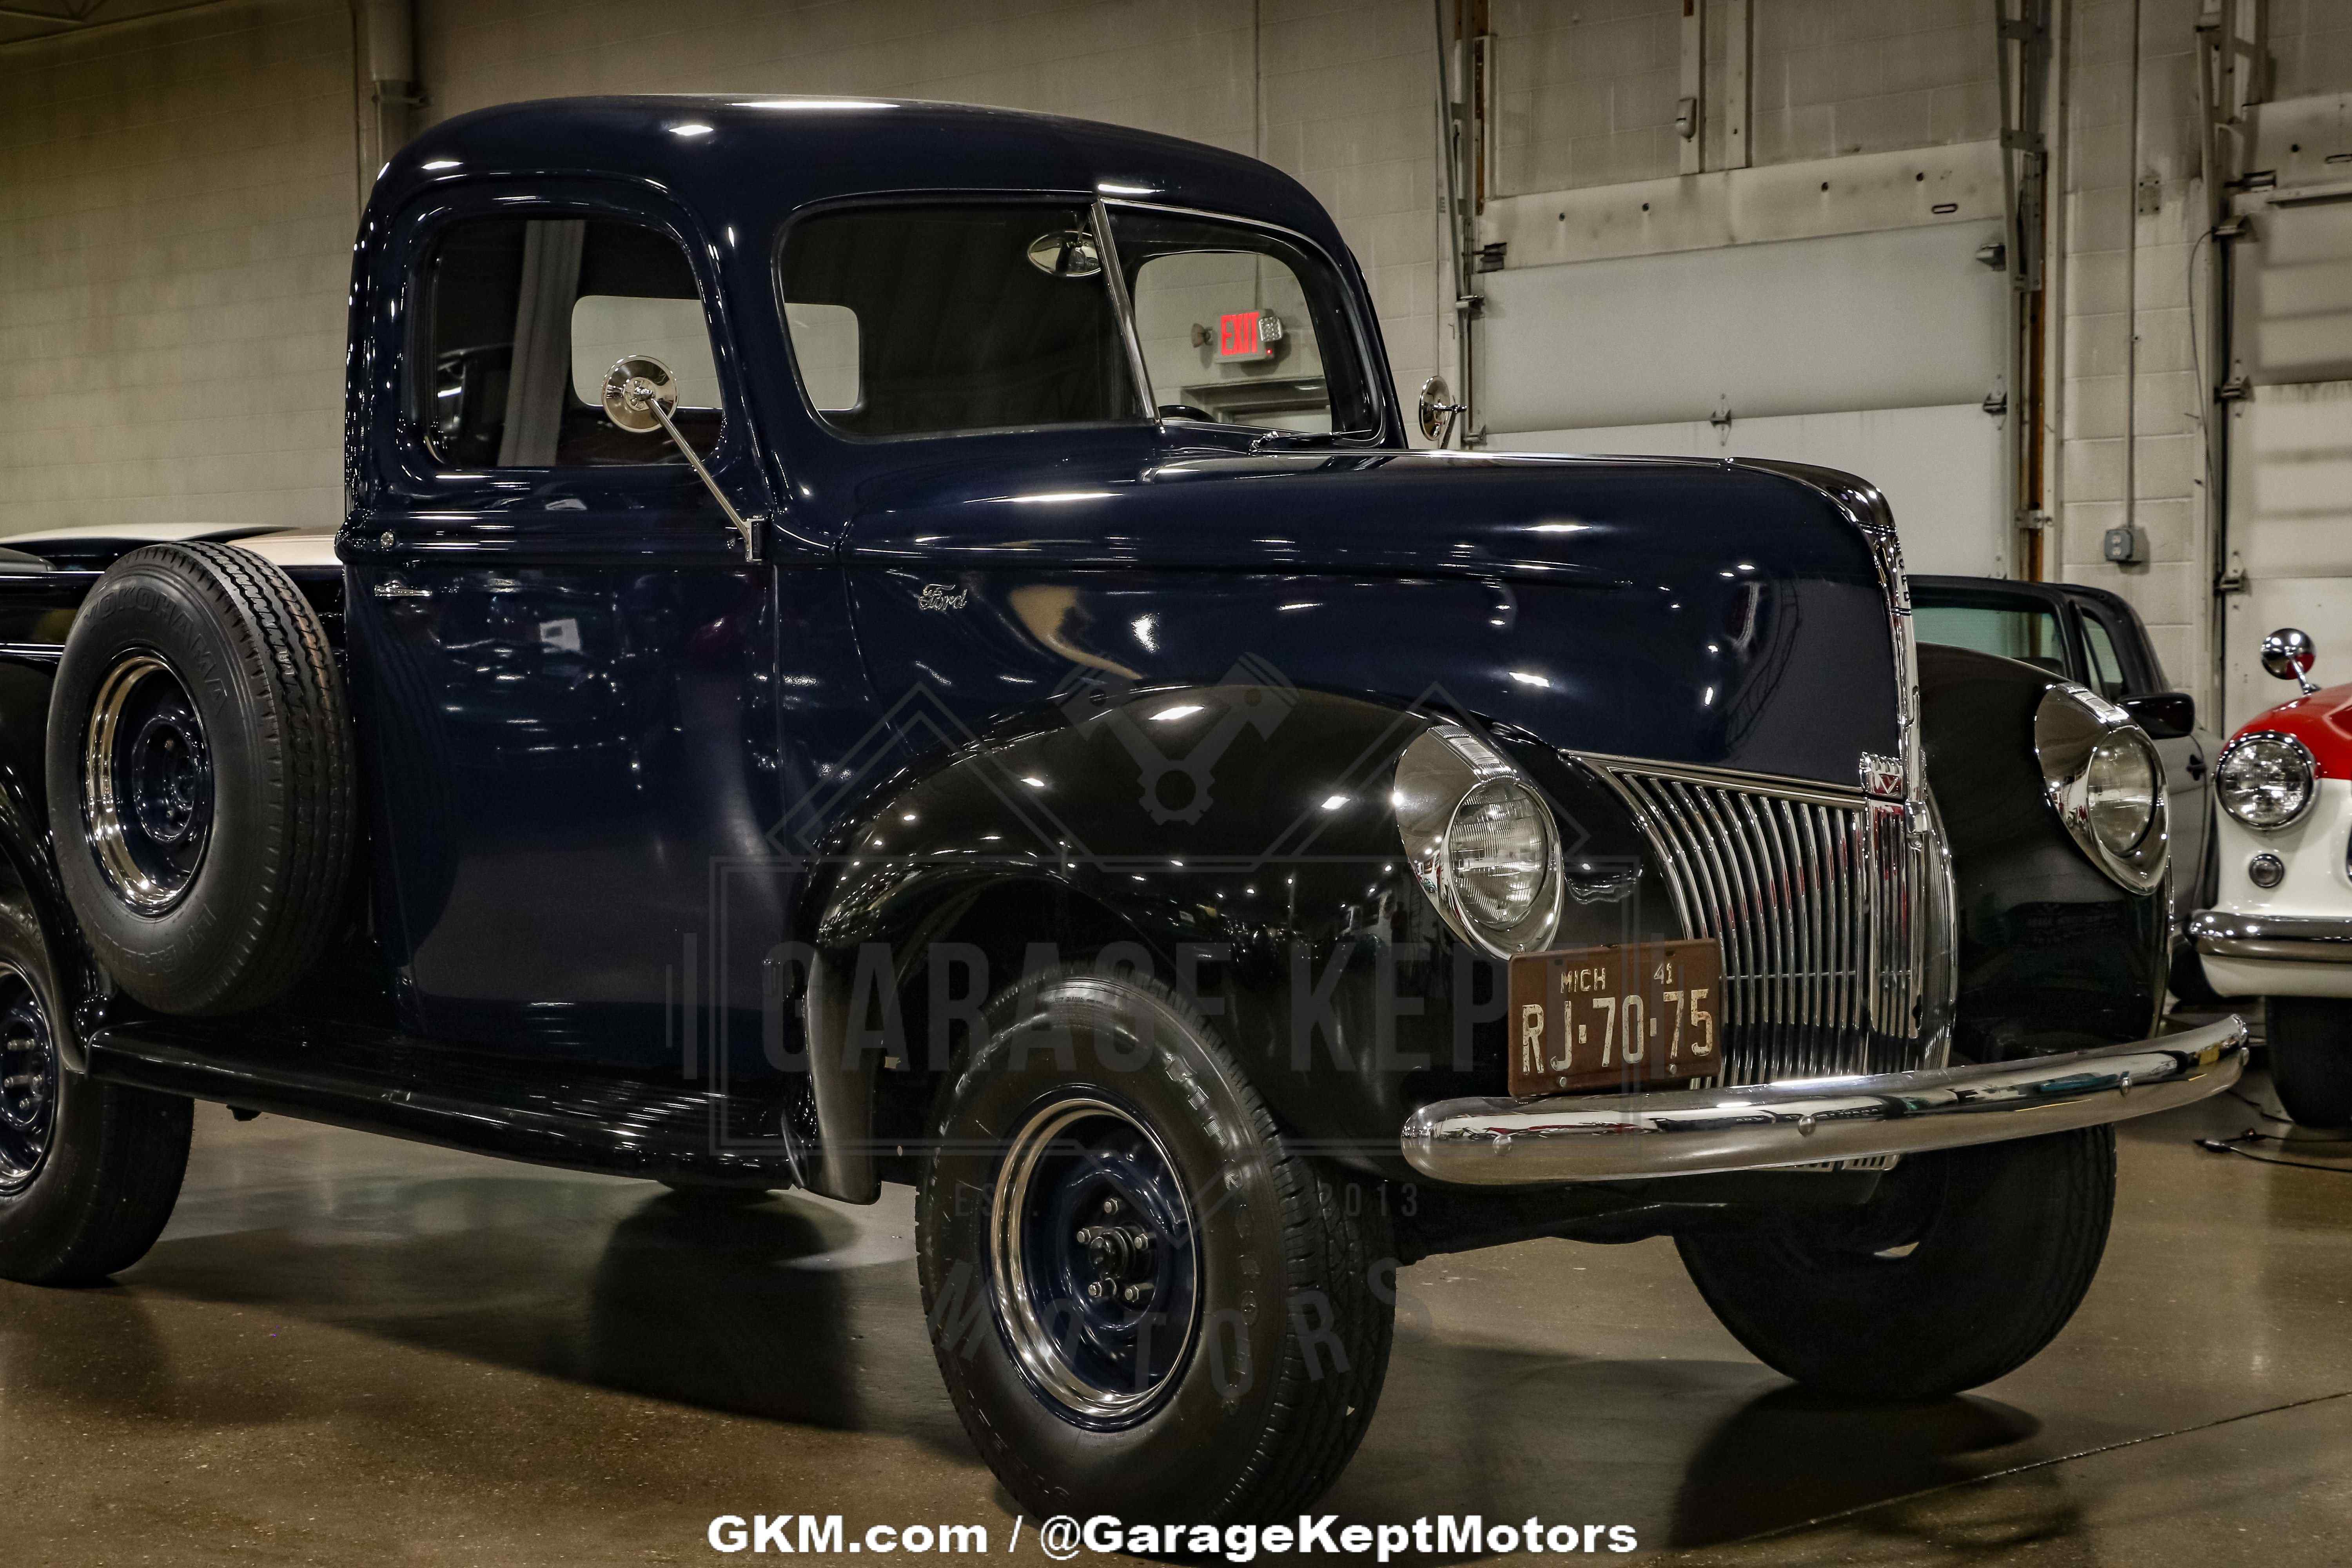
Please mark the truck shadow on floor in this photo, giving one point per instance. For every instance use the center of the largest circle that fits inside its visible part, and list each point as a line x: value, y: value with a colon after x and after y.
x: 1690, y: 1454
x: 793, y: 1311
x: 785, y: 1311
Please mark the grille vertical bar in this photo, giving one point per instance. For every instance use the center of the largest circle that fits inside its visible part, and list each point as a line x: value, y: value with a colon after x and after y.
x: 1815, y: 900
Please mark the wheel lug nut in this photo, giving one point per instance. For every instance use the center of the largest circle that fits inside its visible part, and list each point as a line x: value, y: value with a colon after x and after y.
x: 1111, y: 1206
x: 1096, y: 1290
x: 1136, y: 1295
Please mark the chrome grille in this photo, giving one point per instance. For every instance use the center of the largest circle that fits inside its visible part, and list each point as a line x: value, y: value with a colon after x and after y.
x: 1818, y: 900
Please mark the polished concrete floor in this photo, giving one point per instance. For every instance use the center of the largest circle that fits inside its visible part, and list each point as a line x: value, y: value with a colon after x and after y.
x: 351, y: 1349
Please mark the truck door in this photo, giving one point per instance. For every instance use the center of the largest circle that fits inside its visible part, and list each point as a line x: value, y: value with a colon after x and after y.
x: 563, y: 659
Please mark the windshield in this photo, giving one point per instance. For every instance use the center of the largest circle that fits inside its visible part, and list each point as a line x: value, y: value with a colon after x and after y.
x: 1240, y: 325
x: 934, y: 319
x: 2017, y: 628
x: 914, y: 320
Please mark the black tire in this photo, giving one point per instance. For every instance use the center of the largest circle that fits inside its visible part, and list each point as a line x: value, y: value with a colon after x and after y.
x: 1281, y: 1303
x: 2186, y: 980
x: 2004, y: 1240
x: 106, y: 1161
x: 201, y: 782
x: 2310, y: 1057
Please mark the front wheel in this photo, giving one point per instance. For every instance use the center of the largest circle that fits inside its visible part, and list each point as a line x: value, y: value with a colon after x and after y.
x: 2310, y: 1039
x: 1141, y: 1301
x: 1960, y: 1269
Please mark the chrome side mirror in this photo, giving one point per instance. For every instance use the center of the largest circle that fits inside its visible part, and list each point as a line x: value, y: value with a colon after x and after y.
x: 2289, y: 653
x: 640, y: 395
x: 1438, y: 410
x: 1066, y: 253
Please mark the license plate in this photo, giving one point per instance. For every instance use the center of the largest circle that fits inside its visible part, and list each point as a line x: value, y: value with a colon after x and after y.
x: 1614, y: 1017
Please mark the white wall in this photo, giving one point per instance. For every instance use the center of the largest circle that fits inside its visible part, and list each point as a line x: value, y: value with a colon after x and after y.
x: 177, y: 197
x: 2130, y: 397
x: 176, y: 205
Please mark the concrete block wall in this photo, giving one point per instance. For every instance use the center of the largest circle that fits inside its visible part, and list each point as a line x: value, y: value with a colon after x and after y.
x: 2132, y: 446
x: 2311, y: 47
x: 1832, y: 77
x: 1585, y: 94
x: 176, y: 206
x: 177, y: 197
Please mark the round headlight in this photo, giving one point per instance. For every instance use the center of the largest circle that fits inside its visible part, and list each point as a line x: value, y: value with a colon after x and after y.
x: 2105, y: 782
x: 2120, y: 784
x: 1499, y: 850
x: 2266, y: 780
x: 1481, y: 841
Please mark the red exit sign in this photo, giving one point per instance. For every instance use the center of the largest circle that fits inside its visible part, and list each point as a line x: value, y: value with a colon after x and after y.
x: 1248, y: 335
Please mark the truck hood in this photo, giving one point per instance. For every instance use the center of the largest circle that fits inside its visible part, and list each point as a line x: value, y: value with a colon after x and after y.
x: 1723, y: 615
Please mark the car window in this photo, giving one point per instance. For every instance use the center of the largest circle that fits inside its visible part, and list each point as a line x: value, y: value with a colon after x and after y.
x: 523, y: 317
x: 2107, y: 669
x: 915, y: 320
x: 2021, y: 631
x: 1240, y: 325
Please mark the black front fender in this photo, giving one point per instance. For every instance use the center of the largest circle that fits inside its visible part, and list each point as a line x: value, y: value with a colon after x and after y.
x: 2054, y: 954
x: 1237, y: 840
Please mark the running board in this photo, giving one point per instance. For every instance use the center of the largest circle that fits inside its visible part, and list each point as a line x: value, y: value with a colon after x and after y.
x: 392, y: 1083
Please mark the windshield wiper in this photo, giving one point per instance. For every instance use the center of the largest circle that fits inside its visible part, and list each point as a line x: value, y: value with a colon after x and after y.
x: 1293, y: 440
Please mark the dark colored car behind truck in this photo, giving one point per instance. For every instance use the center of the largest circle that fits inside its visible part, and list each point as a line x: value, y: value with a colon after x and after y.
x: 880, y: 641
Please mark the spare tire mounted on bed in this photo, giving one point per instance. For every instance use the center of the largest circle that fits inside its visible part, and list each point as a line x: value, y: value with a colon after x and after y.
x: 201, y: 788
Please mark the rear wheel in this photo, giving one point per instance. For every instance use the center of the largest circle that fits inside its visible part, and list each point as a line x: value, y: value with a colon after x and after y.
x: 1962, y: 1267
x: 1141, y: 1301
x: 2310, y: 1057
x: 89, y: 1171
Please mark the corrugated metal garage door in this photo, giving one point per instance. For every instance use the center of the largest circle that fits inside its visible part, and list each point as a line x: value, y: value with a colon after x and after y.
x: 1873, y: 353
x: 2291, y: 441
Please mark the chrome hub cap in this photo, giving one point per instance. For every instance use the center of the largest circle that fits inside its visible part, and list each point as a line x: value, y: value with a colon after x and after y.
x: 1095, y: 1267
x: 28, y: 1079
x: 147, y: 785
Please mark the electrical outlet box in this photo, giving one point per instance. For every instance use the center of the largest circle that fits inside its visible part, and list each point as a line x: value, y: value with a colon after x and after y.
x: 2122, y: 545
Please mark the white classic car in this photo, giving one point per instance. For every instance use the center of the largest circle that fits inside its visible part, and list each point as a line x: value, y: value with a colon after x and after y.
x: 2280, y: 924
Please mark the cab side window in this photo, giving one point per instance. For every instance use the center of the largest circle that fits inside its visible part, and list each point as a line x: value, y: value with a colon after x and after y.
x: 2107, y: 669
x: 520, y: 318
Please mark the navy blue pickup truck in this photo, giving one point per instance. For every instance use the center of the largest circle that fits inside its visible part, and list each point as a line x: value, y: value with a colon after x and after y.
x: 877, y: 641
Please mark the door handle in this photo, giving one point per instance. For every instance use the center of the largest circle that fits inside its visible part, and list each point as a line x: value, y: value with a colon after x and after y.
x: 2195, y: 767
x: 395, y: 589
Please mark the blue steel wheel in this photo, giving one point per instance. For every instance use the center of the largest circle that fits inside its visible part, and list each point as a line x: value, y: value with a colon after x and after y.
x: 1095, y: 1261
x: 1140, y: 1299
x: 147, y: 785
x: 28, y: 1079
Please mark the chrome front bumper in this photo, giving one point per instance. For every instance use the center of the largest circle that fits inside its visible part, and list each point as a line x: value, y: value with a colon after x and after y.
x: 1689, y: 1133
x: 2306, y: 939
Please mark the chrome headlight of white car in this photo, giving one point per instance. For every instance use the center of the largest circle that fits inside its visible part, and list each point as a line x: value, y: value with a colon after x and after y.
x: 2266, y: 779
x: 2105, y: 782
x: 1481, y: 840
